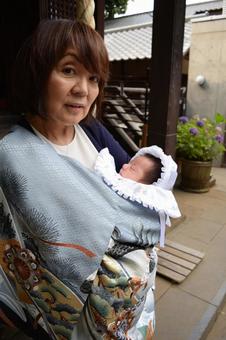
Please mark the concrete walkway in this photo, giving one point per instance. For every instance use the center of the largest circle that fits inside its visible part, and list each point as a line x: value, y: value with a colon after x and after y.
x: 189, y: 310
x: 218, y: 331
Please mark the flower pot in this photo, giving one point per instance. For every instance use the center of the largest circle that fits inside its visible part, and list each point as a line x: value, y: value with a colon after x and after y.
x: 195, y: 175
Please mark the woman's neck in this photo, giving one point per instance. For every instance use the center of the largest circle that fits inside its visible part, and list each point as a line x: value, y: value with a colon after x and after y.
x: 55, y: 132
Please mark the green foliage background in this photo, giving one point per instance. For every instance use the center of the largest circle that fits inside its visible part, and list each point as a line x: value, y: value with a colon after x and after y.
x: 202, y: 145
x: 113, y: 7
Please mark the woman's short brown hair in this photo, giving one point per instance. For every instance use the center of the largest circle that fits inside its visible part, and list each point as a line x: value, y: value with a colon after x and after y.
x: 43, y: 50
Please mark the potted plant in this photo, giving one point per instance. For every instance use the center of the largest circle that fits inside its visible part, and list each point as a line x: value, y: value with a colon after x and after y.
x: 199, y: 141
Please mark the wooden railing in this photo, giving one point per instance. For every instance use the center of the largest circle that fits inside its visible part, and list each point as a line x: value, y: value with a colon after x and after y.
x: 125, y: 115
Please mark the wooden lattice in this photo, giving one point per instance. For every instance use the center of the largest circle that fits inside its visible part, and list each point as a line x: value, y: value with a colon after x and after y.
x: 71, y: 9
x: 56, y: 9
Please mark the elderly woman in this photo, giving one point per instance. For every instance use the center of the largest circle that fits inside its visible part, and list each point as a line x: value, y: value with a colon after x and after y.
x: 77, y: 260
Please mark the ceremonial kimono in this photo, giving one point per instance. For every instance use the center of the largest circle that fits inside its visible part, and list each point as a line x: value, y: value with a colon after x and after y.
x: 77, y: 261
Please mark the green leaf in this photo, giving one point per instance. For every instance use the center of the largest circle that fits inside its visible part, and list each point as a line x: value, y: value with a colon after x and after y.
x: 219, y: 118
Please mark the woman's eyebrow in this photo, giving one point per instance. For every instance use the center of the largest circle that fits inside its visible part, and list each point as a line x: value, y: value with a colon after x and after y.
x: 73, y: 55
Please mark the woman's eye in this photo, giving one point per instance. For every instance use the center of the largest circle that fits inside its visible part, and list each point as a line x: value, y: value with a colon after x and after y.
x: 94, y: 78
x: 69, y: 71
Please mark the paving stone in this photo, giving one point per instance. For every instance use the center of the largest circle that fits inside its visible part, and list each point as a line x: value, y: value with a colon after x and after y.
x: 177, y: 313
x: 200, y: 229
x: 161, y: 285
x: 187, y: 310
x: 218, y: 331
x: 180, y: 237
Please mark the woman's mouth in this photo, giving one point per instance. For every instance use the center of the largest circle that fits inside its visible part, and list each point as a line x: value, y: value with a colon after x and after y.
x: 75, y: 108
x: 79, y: 106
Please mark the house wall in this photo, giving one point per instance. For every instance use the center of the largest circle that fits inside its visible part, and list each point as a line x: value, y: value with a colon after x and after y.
x: 131, y: 70
x: 138, y: 70
x: 207, y: 58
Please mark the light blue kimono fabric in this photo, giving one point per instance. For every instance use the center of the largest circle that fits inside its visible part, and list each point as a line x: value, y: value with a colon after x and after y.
x: 62, y: 213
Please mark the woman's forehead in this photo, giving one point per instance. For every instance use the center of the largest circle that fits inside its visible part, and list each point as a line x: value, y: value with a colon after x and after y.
x: 70, y: 52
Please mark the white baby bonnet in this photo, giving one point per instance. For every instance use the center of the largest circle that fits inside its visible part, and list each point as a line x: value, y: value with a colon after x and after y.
x: 155, y: 196
x: 169, y: 167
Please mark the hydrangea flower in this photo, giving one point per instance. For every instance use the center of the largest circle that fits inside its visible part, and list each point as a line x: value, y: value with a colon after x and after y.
x: 183, y: 119
x: 219, y: 138
x: 200, y: 123
x: 193, y: 131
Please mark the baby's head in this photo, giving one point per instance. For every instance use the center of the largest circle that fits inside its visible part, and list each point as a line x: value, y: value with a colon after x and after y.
x: 145, y: 169
x: 162, y: 168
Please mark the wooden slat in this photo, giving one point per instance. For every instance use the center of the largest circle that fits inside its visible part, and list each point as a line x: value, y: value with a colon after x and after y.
x: 182, y: 255
x: 175, y: 267
x: 170, y: 274
x: 185, y: 249
x: 176, y: 261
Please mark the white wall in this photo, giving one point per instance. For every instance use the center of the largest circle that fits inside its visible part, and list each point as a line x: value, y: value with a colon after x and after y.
x: 208, y: 58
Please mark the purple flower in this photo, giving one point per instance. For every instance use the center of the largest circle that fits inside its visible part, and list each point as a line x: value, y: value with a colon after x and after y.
x: 219, y: 138
x: 193, y: 131
x: 200, y: 123
x: 183, y: 119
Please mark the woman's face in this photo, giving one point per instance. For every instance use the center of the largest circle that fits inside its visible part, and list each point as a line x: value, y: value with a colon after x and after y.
x: 71, y: 90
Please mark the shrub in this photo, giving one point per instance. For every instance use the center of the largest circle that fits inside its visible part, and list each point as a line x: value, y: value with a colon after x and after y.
x: 200, y: 139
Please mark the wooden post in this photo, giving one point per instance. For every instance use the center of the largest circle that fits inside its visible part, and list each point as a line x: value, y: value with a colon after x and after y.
x: 99, y: 16
x: 166, y: 66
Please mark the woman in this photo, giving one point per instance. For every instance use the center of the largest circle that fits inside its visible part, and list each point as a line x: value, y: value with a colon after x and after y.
x: 77, y: 261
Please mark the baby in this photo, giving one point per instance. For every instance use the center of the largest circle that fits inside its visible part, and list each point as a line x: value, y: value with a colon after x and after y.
x: 147, y: 179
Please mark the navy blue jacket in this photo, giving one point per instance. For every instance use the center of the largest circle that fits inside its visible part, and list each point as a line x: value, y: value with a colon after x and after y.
x: 101, y: 138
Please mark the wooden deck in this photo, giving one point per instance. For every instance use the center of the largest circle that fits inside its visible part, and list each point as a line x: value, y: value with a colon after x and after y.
x: 176, y: 261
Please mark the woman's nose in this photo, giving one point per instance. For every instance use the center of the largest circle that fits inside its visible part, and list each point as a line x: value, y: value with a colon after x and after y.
x: 80, y: 87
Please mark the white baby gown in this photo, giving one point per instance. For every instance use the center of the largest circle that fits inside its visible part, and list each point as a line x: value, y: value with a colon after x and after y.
x: 157, y: 196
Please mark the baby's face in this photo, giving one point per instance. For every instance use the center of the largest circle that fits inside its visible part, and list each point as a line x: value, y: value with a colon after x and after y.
x: 137, y: 169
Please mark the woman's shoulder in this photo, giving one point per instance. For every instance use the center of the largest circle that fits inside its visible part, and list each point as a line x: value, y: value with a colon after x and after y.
x: 18, y: 137
x: 9, y: 136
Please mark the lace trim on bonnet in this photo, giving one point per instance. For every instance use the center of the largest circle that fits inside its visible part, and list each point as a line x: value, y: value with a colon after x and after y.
x: 155, y: 196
